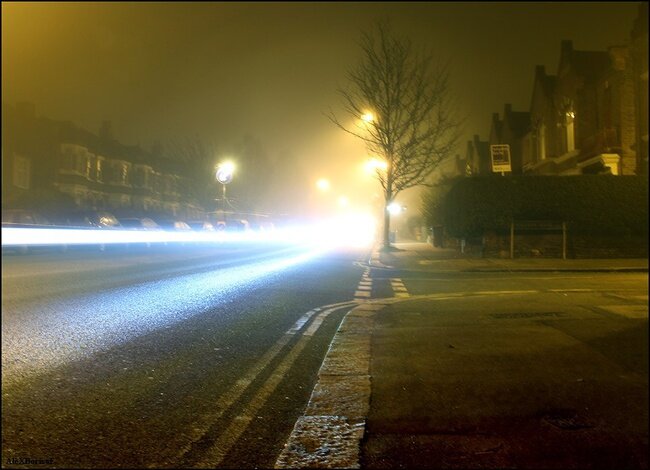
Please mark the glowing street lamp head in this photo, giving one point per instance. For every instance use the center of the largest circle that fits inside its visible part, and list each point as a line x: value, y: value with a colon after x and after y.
x: 375, y: 164
x: 323, y: 184
x: 225, y: 172
x: 394, y: 208
x: 368, y: 117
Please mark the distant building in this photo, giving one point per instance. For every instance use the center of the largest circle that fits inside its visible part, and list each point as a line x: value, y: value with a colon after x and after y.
x: 510, y: 130
x: 477, y: 158
x: 93, y: 172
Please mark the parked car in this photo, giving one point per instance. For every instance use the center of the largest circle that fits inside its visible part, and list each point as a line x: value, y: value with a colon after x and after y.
x: 136, y: 223
x: 25, y: 218
x: 233, y: 225
x: 201, y: 226
x: 174, y: 225
x: 93, y: 219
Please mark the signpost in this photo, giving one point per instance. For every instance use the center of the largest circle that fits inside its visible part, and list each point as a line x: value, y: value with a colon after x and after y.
x: 500, y: 154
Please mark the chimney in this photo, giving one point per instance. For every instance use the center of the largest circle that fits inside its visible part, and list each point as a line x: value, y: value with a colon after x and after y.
x: 618, y: 55
x: 567, y: 47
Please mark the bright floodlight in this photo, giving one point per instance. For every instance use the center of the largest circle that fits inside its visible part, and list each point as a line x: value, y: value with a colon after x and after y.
x: 323, y: 184
x: 225, y: 171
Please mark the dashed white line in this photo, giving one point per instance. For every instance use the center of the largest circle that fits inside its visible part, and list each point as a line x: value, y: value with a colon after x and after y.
x: 399, y: 289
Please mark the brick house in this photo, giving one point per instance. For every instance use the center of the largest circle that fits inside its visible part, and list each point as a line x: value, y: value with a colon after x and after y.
x: 583, y: 120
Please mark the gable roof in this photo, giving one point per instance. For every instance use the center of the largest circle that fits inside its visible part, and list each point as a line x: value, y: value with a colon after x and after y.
x: 589, y: 65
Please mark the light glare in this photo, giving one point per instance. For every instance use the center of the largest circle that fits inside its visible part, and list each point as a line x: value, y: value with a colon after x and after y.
x: 323, y: 184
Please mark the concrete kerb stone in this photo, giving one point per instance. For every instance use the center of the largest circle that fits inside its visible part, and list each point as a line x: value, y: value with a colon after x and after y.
x: 329, y: 433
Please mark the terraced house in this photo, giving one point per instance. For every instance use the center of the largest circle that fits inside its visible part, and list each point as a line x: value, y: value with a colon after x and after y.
x: 46, y: 161
x: 591, y: 117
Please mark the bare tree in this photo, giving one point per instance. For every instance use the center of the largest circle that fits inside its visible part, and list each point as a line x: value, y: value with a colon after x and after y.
x: 402, y: 109
x: 198, y: 159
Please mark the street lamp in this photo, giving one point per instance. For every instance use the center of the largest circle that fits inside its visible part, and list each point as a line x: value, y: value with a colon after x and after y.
x: 375, y: 164
x: 323, y: 184
x: 368, y: 117
x: 224, y: 176
x: 394, y: 208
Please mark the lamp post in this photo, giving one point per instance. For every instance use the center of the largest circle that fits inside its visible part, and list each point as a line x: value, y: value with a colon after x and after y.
x: 224, y: 176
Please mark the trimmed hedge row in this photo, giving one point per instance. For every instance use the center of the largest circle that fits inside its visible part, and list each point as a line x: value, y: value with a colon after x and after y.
x: 594, y: 204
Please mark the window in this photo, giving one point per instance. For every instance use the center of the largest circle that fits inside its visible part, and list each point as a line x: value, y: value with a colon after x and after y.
x: 570, y: 133
x: 76, y: 159
x: 541, y: 142
x: 124, y: 174
x: 99, y: 170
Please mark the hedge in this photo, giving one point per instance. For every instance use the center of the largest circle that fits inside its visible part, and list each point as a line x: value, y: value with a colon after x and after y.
x: 595, y: 204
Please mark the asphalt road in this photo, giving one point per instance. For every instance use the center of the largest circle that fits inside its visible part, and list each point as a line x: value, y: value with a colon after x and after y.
x: 200, y: 357
x: 188, y: 357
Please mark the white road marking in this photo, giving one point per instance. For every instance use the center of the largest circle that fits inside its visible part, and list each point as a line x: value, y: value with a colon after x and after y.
x: 215, y: 455
x: 227, y: 399
x: 629, y: 311
x: 571, y: 290
x: 399, y: 289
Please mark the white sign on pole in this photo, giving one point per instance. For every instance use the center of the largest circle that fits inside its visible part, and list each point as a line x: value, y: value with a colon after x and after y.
x: 500, y: 157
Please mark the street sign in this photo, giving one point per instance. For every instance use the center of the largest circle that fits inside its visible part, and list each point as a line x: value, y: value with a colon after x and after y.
x: 500, y: 157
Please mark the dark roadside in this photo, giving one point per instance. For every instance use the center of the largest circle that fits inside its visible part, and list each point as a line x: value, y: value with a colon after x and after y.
x: 417, y: 255
x: 457, y: 384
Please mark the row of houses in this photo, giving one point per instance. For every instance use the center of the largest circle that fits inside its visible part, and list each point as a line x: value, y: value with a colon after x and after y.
x: 590, y: 117
x: 48, y: 159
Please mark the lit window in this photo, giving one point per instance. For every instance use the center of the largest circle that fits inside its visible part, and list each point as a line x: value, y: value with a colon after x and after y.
x: 100, y: 176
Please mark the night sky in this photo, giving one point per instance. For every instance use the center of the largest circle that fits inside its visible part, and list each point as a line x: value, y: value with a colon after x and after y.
x: 220, y: 71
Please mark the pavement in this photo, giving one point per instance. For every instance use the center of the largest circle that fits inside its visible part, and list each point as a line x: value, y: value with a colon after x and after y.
x: 423, y: 255
x: 418, y: 383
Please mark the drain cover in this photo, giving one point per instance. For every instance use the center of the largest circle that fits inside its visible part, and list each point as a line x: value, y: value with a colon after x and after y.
x: 566, y: 419
x: 528, y: 315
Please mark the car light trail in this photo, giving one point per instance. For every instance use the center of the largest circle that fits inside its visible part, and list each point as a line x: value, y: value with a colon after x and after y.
x: 90, y: 323
x: 355, y: 230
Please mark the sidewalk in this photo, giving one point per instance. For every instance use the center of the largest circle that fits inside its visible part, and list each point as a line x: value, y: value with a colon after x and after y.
x: 432, y: 382
x: 456, y: 386
x: 424, y: 256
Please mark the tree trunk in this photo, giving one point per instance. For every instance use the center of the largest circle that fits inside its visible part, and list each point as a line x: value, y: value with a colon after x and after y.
x: 386, y: 228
